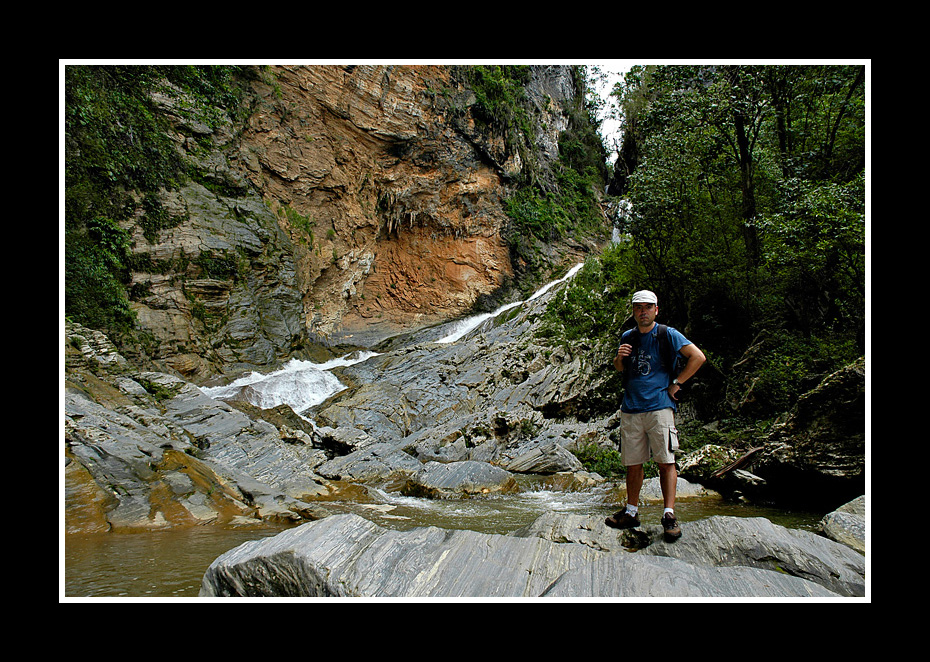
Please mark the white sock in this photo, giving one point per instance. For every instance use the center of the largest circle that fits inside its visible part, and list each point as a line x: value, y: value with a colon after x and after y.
x: 632, y: 510
x: 669, y: 510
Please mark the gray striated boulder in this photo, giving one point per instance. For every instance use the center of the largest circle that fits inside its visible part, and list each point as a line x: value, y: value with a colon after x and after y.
x: 724, y: 541
x: 148, y: 450
x: 588, y: 530
x: 636, y: 576
x: 438, y: 480
x: 242, y: 446
x: 543, y: 458
x: 721, y: 542
x: 494, y: 395
x: 378, y: 461
x: 348, y: 556
x: 233, y: 302
x: 846, y: 524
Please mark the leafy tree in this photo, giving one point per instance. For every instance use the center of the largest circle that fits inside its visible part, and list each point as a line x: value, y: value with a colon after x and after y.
x: 819, y: 120
x: 747, y: 188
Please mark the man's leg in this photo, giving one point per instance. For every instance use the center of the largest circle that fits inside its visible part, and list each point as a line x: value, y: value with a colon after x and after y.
x: 634, y: 449
x: 664, y: 440
x: 668, y: 480
x: 634, y: 483
x: 626, y: 518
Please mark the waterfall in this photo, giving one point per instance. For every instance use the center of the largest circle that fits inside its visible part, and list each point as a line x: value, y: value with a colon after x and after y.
x: 622, y: 212
x: 302, y: 384
x: 462, y: 327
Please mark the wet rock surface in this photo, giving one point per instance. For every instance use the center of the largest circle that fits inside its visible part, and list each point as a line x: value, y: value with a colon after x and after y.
x: 348, y: 556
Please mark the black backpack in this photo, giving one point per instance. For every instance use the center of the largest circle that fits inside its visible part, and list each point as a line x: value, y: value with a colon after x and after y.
x: 671, y: 362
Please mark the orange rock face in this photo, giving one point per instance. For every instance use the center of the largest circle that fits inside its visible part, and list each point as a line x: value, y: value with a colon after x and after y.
x: 375, y: 174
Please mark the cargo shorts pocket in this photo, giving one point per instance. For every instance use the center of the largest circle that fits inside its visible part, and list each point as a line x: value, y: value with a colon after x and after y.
x: 672, y: 440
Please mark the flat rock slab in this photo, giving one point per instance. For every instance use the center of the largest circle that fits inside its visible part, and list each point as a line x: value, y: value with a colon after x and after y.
x: 634, y: 575
x: 725, y: 541
x: 348, y: 556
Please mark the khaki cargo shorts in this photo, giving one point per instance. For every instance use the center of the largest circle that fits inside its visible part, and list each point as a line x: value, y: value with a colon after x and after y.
x: 649, y: 433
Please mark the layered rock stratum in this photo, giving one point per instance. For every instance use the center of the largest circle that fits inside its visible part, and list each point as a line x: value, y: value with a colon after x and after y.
x: 352, y: 203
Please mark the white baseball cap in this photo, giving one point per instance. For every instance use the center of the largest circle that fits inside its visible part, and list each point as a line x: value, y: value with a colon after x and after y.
x: 645, y: 296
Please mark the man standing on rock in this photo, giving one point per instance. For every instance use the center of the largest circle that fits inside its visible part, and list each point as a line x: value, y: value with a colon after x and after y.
x: 647, y: 357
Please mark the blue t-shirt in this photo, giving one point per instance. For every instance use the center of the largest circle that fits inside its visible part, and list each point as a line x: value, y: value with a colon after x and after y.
x: 647, y: 383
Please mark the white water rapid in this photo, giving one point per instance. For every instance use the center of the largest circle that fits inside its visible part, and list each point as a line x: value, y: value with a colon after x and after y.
x: 300, y: 384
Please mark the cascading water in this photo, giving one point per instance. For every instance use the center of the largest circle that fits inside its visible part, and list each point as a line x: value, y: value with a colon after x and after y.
x: 461, y: 328
x: 622, y: 212
x: 300, y: 384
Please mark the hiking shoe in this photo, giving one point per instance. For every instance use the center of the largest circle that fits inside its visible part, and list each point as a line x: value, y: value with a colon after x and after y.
x: 622, y: 520
x: 672, y: 530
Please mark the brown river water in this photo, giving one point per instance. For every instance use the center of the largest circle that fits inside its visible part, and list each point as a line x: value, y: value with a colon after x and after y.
x: 170, y: 564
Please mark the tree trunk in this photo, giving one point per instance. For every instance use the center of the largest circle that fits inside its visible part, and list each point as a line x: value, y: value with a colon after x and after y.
x: 748, y: 212
x: 744, y: 155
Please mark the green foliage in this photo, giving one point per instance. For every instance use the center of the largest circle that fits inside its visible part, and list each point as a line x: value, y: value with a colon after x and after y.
x: 814, y: 254
x: 603, y: 461
x: 572, y: 210
x: 112, y: 131
x: 581, y: 148
x: 595, y: 303
x: 749, y: 196
x: 791, y: 364
x: 116, y: 145
x: 154, y: 218
x: 298, y: 220
x: 160, y: 392
x: 568, y: 203
x: 499, y: 96
x: 224, y: 266
x: 95, y: 294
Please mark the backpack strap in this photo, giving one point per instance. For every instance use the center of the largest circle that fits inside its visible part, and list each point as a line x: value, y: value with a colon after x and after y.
x: 670, y: 359
x: 666, y: 352
x: 665, y: 347
x: 633, y: 338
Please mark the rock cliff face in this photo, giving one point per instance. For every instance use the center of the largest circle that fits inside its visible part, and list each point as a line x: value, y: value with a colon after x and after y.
x: 353, y: 203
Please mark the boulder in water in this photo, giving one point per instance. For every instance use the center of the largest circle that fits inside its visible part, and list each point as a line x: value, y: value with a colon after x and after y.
x: 456, y: 479
x: 847, y: 524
